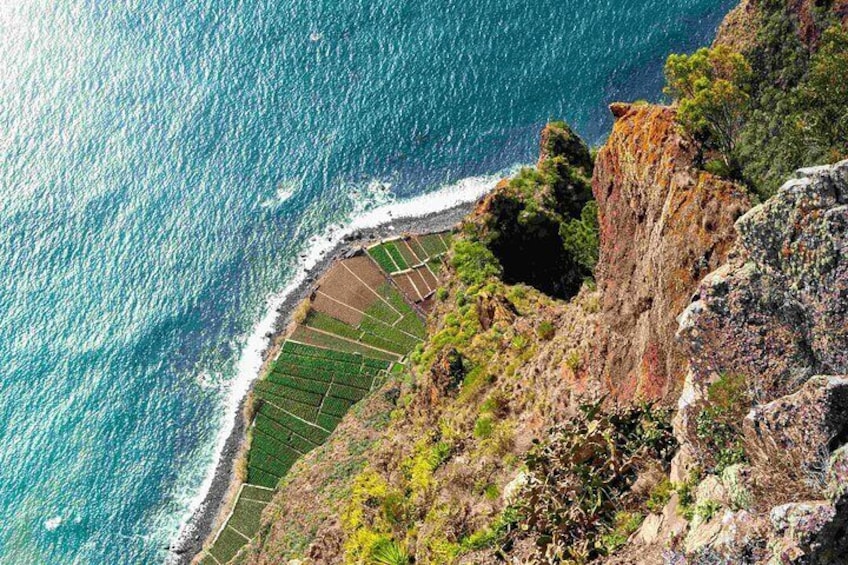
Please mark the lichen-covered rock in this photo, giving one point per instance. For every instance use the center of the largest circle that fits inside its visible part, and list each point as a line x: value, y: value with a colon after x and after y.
x: 777, y: 311
x: 808, y: 529
x: 736, y: 480
x: 837, y: 476
x: 776, y: 317
x: 664, y: 225
x: 798, y: 429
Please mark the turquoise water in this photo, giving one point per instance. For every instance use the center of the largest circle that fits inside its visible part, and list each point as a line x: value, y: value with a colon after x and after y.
x: 164, y: 164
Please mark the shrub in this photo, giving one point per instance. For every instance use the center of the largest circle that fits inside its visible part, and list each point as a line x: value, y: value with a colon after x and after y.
x: 718, y: 168
x: 705, y: 510
x: 579, y: 480
x: 389, y: 552
x: 580, y: 237
x: 823, y: 98
x: 659, y: 496
x: 719, y: 424
x: 483, y: 427
x: 712, y: 87
x: 473, y: 261
x: 624, y: 524
x: 546, y: 330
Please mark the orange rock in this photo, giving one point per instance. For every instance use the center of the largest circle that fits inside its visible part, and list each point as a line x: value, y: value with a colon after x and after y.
x: 664, y: 225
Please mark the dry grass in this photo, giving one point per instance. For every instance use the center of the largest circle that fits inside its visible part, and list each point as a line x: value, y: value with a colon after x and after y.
x: 301, y: 311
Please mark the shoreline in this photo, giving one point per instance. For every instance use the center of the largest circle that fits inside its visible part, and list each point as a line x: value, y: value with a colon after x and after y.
x: 201, y: 524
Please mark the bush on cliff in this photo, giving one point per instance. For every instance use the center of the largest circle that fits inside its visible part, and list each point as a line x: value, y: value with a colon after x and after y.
x: 711, y: 86
x: 784, y: 108
x: 474, y: 262
x: 580, y: 237
x: 577, y: 501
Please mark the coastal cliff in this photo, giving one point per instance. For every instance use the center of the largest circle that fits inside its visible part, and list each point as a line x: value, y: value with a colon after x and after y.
x: 664, y: 224
x: 635, y: 355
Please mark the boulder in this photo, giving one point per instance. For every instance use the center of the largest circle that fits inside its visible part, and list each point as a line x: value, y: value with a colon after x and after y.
x: 800, y: 429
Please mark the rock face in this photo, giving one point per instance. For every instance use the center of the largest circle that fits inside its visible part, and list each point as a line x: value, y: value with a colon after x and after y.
x: 776, y: 316
x: 777, y: 312
x: 664, y: 225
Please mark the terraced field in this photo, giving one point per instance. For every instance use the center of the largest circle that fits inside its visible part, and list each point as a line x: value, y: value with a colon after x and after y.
x: 364, y: 317
x: 412, y: 263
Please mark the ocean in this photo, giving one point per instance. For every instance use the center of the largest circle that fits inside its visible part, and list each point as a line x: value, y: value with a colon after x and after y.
x: 167, y: 169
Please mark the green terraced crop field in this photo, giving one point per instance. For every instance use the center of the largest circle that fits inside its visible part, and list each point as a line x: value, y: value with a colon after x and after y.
x: 242, y: 525
x: 325, y: 367
x: 402, y: 254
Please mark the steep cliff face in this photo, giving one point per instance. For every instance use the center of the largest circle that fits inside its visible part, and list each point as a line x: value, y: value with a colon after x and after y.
x: 763, y: 419
x: 663, y: 226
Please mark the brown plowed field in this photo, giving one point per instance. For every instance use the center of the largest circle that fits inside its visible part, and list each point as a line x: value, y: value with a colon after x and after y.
x: 342, y: 285
x: 365, y: 269
x: 428, y: 276
x: 405, y: 284
x: 338, y: 311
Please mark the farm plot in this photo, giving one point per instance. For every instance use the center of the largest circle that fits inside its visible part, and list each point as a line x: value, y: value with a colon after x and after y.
x: 303, y: 399
x: 243, y: 523
x: 362, y: 321
x: 400, y: 255
x: 339, y: 318
x: 417, y: 284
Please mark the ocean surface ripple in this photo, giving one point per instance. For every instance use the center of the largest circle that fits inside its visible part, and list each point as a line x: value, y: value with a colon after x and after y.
x: 166, y: 163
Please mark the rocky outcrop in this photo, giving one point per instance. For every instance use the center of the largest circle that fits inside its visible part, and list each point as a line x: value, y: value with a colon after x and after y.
x: 776, y: 313
x: 799, y: 428
x: 664, y: 225
x: 520, y: 221
x: 776, y: 317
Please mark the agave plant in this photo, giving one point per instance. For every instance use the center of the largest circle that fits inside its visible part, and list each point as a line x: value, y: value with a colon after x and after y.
x: 389, y: 552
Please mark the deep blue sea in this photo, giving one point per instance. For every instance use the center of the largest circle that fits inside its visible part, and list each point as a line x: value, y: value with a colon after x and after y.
x: 164, y: 164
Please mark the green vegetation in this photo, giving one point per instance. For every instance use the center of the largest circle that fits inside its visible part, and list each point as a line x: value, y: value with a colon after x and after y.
x: 388, y: 552
x: 705, y: 510
x: 777, y: 107
x: 383, y: 259
x: 371, y: 332
x: 326, y: 367
x: 546, y: 330
x: 434, y: 244
x: 574, y: 502
x: 719, y: 424
x: 659, y: 496
x: 623, y: 526
x: 474, y: 262
x: 712, y: 87
x: 581, y: 239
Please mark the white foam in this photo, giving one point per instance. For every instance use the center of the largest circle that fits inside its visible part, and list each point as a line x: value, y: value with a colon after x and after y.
x: 250, y: 363
x: 285, y: 190
x: 53, y: 523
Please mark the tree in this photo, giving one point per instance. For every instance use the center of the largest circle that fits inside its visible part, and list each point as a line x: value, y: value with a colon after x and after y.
x: 823, y: 98
x: 580, y: 237
x: 712, y: 89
